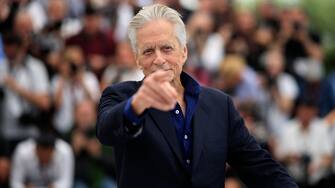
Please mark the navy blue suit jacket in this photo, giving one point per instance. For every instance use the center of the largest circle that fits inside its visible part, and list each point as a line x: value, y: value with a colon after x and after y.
x: 153, y: 159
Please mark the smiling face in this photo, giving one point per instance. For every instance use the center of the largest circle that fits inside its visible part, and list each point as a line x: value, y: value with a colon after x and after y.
x: 158, y: 48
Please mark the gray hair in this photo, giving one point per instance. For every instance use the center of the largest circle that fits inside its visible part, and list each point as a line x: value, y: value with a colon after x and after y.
x: 153, y: 12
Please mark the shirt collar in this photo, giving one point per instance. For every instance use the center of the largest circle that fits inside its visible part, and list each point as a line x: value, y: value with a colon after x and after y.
x: 191, y: 86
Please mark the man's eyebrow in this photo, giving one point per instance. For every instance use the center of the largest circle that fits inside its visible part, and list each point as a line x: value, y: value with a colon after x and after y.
x: 166, y: 44
x: 149, y: 46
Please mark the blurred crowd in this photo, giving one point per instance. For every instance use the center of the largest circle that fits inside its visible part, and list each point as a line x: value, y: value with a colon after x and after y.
x: 57, y: 56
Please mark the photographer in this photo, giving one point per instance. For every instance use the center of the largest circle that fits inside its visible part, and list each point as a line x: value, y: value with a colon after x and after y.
x: 305, y: 146
x: 42, y: 162
x: 25, y: 91
x: 72, y: 84
x: 94, y: 165
x: 283, y: 90
x: 301, y: 47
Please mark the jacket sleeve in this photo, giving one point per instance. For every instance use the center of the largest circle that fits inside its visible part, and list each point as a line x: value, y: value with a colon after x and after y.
x: 253, y: 164
x: 112, y: 127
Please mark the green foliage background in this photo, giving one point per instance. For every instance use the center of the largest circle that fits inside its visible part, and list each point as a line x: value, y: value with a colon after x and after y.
x: 322, y: 14
x: 322, y: 17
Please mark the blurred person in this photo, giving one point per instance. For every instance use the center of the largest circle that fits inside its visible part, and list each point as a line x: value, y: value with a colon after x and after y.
x: 36, y: 12
x: 305, y: 146
x: 223, y: 12
x: 245, y: 23
x: 25, y: 86
x: 157, y: 126
x: 43, y: 162
x: 58, y: 19
x: 237, y: 45
x: 71, y: 85
x: 56, y: 28
x: 185, y: 8
x: 53, y: 59
x: 125, y: 11
x: 76, y: 8
x: 10, y: 8
x: 206, y: 48
x: 243, y: 40
x: 268, y: 14
x: 23, y: 27
x: 115, y: 15
x: 34, y: 9
x: 57, y: 10
x: 96, y: 43
x: 239, y: 80
x: 306, y: 42
x: 253, y: 121
x: 124, y: 67
x: 282, y: 88
x: 206, y: 6
x: 89, y: 155
x: 5, y: 11
x: 264, y: 38
x: 49, y: 39
x: 302, y: 47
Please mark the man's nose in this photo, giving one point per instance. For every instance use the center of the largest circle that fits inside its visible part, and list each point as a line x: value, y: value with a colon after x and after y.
x: 159, y: 58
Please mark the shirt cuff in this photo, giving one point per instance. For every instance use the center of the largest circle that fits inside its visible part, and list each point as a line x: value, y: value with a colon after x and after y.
x: 130, y: 115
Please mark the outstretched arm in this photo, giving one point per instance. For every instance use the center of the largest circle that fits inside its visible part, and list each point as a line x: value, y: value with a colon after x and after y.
x: 121, y: 108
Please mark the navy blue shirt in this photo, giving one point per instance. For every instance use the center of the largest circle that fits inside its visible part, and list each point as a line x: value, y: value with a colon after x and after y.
x: 182, y: 123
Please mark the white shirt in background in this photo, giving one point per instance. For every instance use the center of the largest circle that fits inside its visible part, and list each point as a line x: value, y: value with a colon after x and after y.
x: 26, y: 167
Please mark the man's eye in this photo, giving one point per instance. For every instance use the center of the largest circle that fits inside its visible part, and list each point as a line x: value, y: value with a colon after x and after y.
x: 167, y: 48
x: 147, y: 52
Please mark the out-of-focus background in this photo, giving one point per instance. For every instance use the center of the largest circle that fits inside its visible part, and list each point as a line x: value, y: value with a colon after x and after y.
x: 275, y: 58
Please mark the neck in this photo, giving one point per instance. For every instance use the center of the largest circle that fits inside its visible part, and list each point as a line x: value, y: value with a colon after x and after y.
x: 176, y: 83
x: 305, y: 125
x: 17, y: 60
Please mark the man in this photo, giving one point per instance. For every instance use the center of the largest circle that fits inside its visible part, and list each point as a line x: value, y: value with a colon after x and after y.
x: 305, y: 146
x: 168, y: 131
x: 45, y: 162
x: 24, y: 84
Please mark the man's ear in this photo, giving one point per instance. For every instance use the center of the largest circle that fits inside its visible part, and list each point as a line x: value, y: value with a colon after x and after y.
x: 185, y: 52
x: 137, y: 61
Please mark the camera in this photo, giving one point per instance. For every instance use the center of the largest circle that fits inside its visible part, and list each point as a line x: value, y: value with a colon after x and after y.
x: 297, y: 26
x: 73, y: 68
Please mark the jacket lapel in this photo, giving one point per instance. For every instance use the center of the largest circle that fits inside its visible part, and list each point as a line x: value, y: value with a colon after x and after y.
x: 166, y: 126
x: 200, y: 119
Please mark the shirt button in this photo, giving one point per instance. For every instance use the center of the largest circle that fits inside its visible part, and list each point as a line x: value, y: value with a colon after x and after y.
x: 177, y: 111
x: 188, y: 161
x: 185, y: 137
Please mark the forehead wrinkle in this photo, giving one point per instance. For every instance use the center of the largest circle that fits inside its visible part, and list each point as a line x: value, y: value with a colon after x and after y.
x: 157, y: 44
x: 156, y: 29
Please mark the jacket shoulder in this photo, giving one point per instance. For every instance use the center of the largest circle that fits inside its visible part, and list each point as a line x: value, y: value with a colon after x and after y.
x: 124, y: 88
x: 212, y: 93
